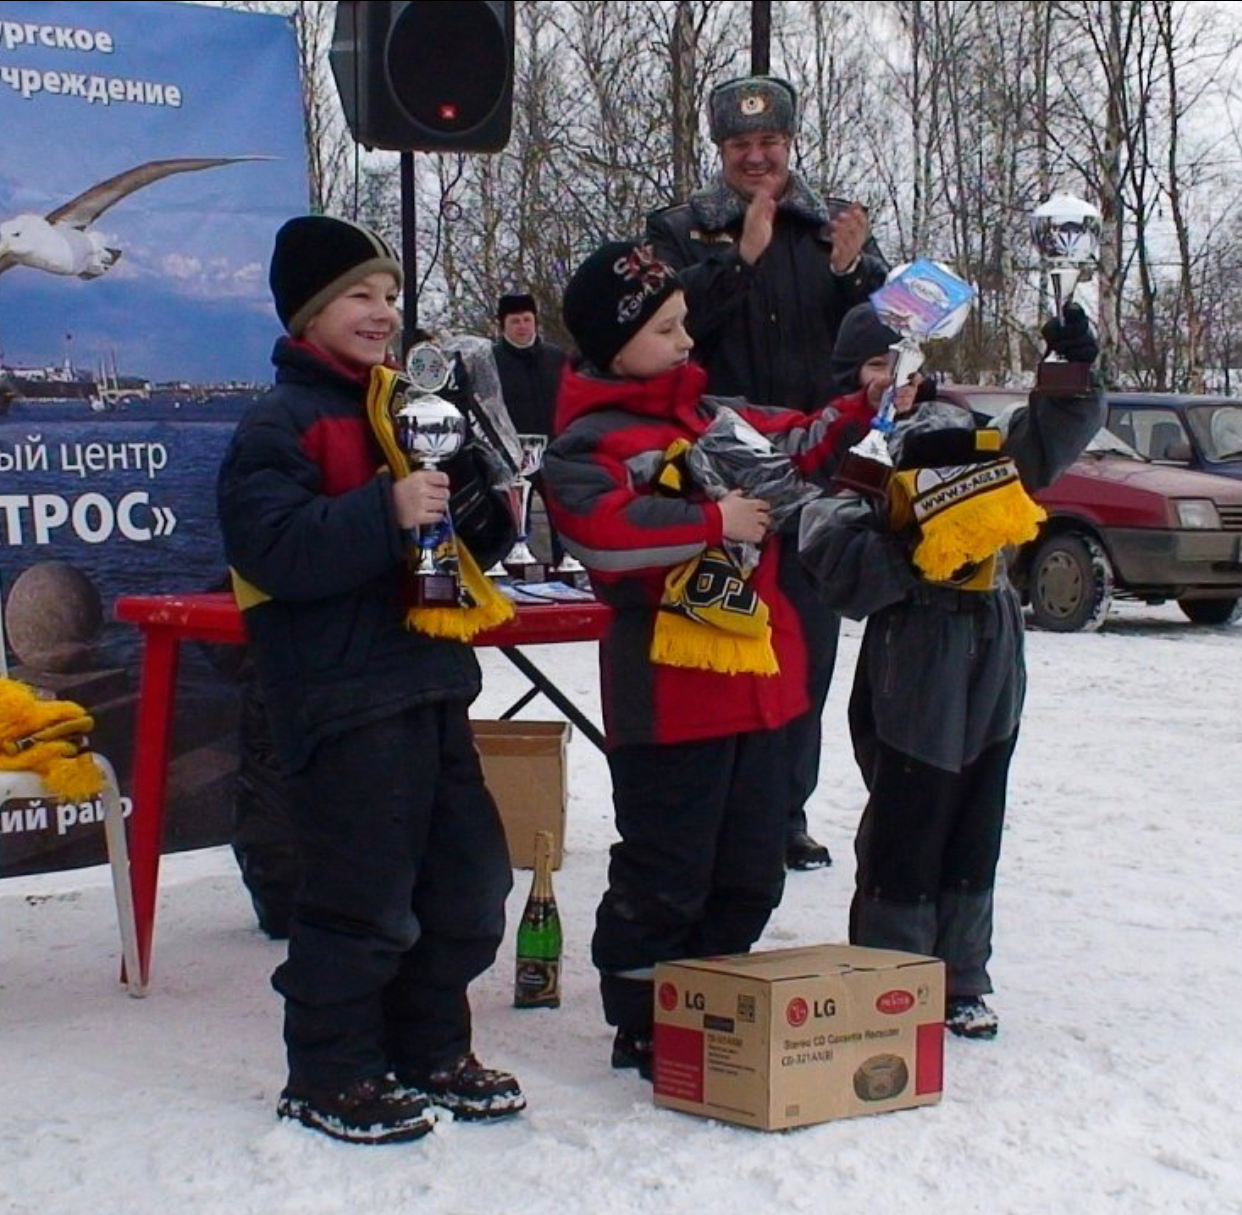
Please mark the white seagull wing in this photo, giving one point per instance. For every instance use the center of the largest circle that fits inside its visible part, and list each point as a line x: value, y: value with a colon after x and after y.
x: 88, y: 206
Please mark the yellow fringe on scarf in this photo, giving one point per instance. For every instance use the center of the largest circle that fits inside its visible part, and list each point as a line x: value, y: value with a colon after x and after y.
x: 486, y: 607
x: 964, y: 515
x: 48, y: 738
x: 712, y: 620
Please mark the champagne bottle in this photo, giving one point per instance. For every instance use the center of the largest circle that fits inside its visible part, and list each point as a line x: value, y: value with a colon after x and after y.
x: 537, y: 982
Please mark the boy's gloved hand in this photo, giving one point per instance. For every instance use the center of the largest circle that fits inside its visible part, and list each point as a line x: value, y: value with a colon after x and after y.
x: 949, y: 447
x: 1070, y: 336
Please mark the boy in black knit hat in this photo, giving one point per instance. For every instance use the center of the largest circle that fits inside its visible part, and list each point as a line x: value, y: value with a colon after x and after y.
x: 697, y: 743
x: 405, y: 867
x: 941, y: 676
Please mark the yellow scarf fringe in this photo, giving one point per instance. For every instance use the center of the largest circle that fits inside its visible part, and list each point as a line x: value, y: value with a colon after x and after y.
x: 965, y: 518
x: 710, y: 619
x: 48, y: 738
x: 487, y: 607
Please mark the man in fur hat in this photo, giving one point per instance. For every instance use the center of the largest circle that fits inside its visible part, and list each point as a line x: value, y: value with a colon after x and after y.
x: 530, y: 373
x: 770, y: 268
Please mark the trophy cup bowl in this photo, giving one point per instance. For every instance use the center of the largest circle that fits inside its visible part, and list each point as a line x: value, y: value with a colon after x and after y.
x: 430, y: 430
x: 521, y: 563
x: 1066, y: 233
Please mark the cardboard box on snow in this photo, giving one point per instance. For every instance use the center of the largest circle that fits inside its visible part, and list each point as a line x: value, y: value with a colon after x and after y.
x: 792, y: 1037
x: 524, y: 767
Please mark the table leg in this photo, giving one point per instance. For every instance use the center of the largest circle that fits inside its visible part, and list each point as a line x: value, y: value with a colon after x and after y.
x: 553, y: 693
x: 150, y: 781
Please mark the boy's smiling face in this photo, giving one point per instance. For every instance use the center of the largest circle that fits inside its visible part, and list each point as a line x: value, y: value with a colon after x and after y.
x: 876, y: 374
x: 356, y: 326
x: 659, y: 346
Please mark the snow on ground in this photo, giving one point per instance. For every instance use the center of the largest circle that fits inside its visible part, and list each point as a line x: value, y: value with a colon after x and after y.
x: 1114, y: 1085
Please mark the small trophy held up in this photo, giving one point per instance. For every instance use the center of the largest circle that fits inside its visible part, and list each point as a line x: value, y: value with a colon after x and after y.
x: 521, y: 563
x: 921, y: 300
x: 430, y: 430
x: 1066, y: 232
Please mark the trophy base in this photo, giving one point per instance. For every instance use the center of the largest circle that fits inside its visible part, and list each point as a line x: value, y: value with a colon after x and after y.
x: 1063, y: 378
x: 578, y: 578
x: 527, y: 571
x: 863, y: 475
x: 435, y: 590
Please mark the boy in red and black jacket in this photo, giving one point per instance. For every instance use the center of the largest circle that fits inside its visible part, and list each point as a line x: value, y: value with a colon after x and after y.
x: 698, y: 757
x: 404, y: 864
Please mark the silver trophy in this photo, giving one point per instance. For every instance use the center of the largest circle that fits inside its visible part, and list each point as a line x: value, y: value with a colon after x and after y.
x: 430, y: 430
x: 1066, y: 232
x: 922, y: 300
x: 521, y: 563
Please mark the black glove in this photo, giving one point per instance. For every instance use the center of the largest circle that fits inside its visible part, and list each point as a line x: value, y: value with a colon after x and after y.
x: 1070, y: 336
x: 948, y: 447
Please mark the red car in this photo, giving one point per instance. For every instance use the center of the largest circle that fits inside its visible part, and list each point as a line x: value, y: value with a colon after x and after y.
x: 1119, y: 524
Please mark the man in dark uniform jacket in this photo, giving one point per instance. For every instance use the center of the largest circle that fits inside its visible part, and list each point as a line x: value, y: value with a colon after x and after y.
x: 770, y: 268
x: 530, y: 374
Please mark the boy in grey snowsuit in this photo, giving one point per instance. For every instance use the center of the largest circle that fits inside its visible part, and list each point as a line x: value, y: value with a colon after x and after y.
x: 941, y: 677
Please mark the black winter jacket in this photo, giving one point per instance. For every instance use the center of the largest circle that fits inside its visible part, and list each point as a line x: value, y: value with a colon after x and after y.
x: 306, y: 510
x: 764, y: 332
x: 529, y: 379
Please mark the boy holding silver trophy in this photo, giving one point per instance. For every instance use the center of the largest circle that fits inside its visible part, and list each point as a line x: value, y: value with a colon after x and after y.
x: 704, y: 665
x: 940, y: 680
x: 405, y: 867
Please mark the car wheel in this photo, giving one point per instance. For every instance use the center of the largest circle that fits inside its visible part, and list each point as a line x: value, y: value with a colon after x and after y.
x: 1211, y: 611
x: 1070, y: 584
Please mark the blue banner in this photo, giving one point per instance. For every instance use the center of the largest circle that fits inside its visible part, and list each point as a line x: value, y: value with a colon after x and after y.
x: 151, y: 150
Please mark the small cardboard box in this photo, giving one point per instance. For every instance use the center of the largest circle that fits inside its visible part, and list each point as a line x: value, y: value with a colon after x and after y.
x: 524, y: 767
x: 797, y: 1036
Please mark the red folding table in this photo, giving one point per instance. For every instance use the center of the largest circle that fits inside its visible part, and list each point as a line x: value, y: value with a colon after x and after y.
x: 168, y: 620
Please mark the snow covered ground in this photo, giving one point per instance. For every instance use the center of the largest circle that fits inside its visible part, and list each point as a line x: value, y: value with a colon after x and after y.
x: 1114, y: 1085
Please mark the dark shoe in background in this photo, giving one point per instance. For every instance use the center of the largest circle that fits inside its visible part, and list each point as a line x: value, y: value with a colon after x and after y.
x: 470, y: 1091
x: 634, y: 1048
x: 803, y: 852
x: 970, y: 1017
x: 375, y: 1110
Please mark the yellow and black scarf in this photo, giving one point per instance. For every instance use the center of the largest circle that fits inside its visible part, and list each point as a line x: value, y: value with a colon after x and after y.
x: 48, y: 738
x: 964, y: 515
x: 710, y: 617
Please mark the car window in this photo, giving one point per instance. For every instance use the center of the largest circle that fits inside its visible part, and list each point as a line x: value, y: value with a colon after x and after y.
x: 1157, y: 434
x: 1104, y: 440
x: 1218, y: 427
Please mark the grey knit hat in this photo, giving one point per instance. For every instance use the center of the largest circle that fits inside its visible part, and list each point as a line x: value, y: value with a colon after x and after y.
x: 752, y: 103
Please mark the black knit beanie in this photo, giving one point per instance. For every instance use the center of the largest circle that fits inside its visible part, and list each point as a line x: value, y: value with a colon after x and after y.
x: 316, y: 258
x: 862, y: 336
x: 612, y: 295
x: 515, y: 302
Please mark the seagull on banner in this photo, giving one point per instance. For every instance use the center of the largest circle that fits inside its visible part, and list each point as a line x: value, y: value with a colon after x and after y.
x: 63, y: 242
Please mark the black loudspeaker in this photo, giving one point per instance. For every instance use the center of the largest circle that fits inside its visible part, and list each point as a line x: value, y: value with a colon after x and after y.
x: 425, y: 75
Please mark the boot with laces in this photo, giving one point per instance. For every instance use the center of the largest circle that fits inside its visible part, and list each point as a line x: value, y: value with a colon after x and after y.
x: 970, y: 1017
x: 469, y: 1090
x: 375, y: 1110
x: 634, y: 1048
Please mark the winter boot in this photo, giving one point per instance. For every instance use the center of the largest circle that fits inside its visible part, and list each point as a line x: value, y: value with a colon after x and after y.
x: 633, y: 1048
x: 970, y: 1017
x: 802, y: 851
x: 469, y: 1090
x: 375, y: 1110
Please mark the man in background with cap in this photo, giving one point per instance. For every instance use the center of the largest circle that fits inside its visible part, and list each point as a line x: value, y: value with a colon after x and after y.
x: 530, y: 374
x: 770, y: 268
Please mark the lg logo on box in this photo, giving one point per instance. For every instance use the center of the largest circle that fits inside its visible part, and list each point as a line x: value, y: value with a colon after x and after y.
x: 668, y: 998
x: 798, y: 1012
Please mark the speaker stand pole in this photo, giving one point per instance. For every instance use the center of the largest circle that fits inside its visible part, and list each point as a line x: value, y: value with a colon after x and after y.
x: 409, y: 254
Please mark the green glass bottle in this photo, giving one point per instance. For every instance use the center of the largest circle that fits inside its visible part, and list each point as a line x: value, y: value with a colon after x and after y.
x: 537, y: 982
